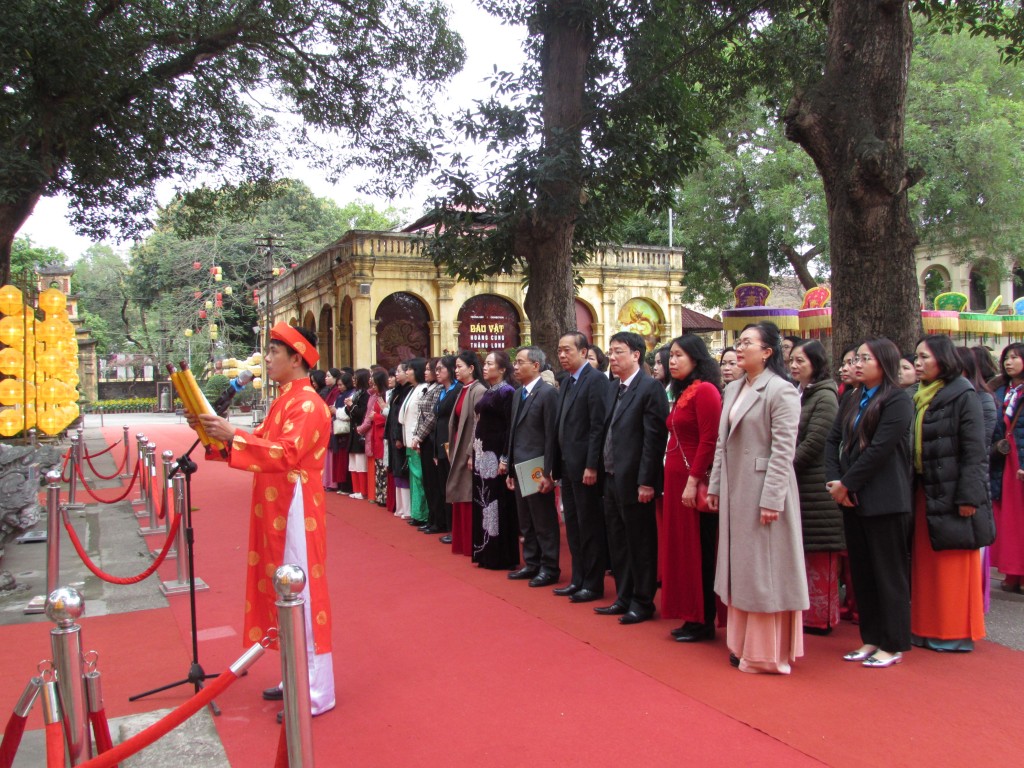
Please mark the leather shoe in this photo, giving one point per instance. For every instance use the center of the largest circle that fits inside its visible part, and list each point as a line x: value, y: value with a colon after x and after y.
x: 687, y: 627
x: 697, y: 633
x: 584, y: 596
x: 632, y: 617
x: 615, y: 609
x: 446, y: 539
x: 734, y: 660
x: 523, y: 573
x: 543, y: 579
x: 572, y: 589
x: 414, y: 521
x: 273, y: 694
x: 430, y: 529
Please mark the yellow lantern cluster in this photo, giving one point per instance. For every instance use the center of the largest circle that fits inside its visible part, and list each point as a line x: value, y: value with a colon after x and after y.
x: 41, y: 363
x: 231, y: 367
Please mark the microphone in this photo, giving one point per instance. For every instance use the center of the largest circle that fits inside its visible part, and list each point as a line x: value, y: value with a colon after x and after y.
x: 235, y: 386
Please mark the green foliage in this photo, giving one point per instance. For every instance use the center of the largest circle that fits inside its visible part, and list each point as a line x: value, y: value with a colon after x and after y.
x: 103, y: 100
x: 26, y: 258
x: 215, y: 385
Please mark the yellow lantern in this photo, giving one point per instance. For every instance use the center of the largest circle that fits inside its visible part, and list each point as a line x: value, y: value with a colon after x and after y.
x: 228, y: 290
x: 49, y: 331
x: 12, y: 391
x: 257, y: 383
x: 48, y: 362
x: 188, y: 333
x: 12, y: 331
x: 49, y: 422
x: 11, y: 300
x: 51, y: 391
x: 52, y: 300
x: 11, y: 421
x: 12, y: 362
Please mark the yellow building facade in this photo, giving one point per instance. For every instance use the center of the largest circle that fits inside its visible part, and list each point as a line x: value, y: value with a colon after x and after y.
x: 377, y: 298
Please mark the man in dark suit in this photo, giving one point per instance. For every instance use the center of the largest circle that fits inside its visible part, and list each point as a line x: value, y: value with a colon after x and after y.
x: 633, y: 457
x: 532, y: 436
x: 580, y: 434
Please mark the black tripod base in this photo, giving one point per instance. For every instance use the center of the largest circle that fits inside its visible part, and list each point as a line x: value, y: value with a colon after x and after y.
x: 196, y: 678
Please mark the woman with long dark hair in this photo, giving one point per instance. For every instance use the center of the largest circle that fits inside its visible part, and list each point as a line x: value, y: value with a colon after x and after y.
x: 332, y: 382
x: 689, y: 533
x: 867, y: 463
x: 408, y: 416
x: 495, y: 519
x: 339, y: 468
x: 760, y: 575
x: 1007, y: 469
x: 820, y: 518
x: 357, y: 406
x: 953, y: 512
x: 727, y: 365
x: 398, y: 466
x: 461, y: 426
x: 375, y: 438
x: 448, y: 393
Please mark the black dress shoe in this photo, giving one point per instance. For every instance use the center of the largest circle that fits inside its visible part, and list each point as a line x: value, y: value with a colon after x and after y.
x: 572, y: 589
x: 697, y: 633
x: 543, y: 579
x: 414, y: 521
x: 615, y: 609
x: 734, y: 660
x: 273, y: 694
x: 632, y: 617
x: 446, y: 539
x: 585, y: 596
x: 523, y: 573
x: 430, y: 529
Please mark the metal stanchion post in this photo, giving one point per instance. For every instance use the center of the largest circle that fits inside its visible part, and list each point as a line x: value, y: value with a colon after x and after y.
x: 140, y: 458
x: 180, y: 585
x: 64, y: 606
x: 33, y: 437
x: 38, y: 603
x: 289, y: 582
x: 128, y: 458
x: 168, y: 462
x: 152, y: 491
x: 74, y: 459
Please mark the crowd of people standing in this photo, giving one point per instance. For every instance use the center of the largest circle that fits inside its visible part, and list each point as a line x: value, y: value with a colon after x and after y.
x: 758, y: 493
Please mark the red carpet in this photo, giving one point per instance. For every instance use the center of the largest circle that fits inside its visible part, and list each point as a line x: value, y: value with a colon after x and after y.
x: 440, y: 663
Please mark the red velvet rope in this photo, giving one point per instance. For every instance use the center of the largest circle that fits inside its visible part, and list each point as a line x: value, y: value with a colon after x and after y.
x: 54, y: 745
x: 105, y: 450
x: 122, y: 497
x: 67, y: 458
x: 99, y: 474
x: 76, y: 542
x: 163, y: 726
x: 12, y: 739
x: 101, y: 731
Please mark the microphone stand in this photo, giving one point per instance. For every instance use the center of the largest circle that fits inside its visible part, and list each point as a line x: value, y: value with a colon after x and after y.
x: 196, y: 674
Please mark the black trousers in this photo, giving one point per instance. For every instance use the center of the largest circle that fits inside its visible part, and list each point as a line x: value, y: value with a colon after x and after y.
x: 633, y: 548
x: 444, y: 513
x: 879, y: 550
x: 708, y: 550
x: 433, y: 492
x: 538, y: 524
x: 583, y: 509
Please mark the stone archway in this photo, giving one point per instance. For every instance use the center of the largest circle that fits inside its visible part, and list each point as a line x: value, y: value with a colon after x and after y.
x: 935, y: 280
x: 325, y: 337
x: 345, y: 355
x: 584, y: 320
x: 403, y: 329
x: 309, y: 321
x: 487, y: 323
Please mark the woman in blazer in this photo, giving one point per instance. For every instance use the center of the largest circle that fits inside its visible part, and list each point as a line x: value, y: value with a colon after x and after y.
x: 952, y: 510
x: 867, y: 465
x: 448, y: 394
x: 760, y: 575
x: 461, y: 425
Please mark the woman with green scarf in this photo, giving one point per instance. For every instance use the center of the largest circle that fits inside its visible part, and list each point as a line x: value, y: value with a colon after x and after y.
x: 952, y: 510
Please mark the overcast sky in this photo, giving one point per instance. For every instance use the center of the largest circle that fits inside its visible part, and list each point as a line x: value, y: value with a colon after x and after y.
x: 487, y: 43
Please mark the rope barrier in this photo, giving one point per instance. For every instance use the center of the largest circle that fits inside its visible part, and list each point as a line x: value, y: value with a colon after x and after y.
x: 163, y: 726
x: 101, y: 731
x: 12, y: 739
x: 76, y: 542
x: 67, y: 458
x: 54, y: 745
x: 108, y: 449
x: 122, y: 497
x: 99, y: 474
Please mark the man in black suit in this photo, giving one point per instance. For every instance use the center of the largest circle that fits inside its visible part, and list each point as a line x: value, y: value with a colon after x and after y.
x: 633, y: 457
x: 532, y: 436
x: 581, y: 418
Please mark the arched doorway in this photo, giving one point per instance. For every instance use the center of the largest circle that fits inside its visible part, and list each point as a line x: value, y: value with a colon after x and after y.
x: 308, y: 321
x: 345, y: 355
x: 403, y: 329
x: 487, y: 323
x: 644, y: 317
x: 935, y: 281
x: 584, y: 320
x: 325, y: 337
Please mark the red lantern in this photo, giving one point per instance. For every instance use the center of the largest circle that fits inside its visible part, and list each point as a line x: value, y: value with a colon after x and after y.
x: 202, y: 314
x: 196, y: 265
x: 219, y: 302
x: 197, y: 294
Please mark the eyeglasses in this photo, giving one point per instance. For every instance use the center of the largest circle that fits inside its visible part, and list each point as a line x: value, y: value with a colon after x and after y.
x: 744, y: 343
x: 862, y: 359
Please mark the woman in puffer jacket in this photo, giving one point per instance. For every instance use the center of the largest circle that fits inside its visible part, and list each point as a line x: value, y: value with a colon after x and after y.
x: 953, y: 513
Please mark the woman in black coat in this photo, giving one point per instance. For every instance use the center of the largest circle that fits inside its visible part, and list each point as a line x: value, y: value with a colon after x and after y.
x: 820, y: 517
x: 953, y: 513
x: 450, y: 388
x: 867, y: 463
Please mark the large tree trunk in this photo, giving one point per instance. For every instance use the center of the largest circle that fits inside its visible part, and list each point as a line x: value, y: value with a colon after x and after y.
x: 13, y: 216
x: 545, y: 237
x: 851, y: 125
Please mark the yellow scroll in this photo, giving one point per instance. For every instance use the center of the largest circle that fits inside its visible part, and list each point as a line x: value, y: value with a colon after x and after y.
x: 195, y: 402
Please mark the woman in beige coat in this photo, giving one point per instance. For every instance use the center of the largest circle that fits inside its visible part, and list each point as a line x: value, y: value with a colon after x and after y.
x: 461, y: 425
x: 760, y: 574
